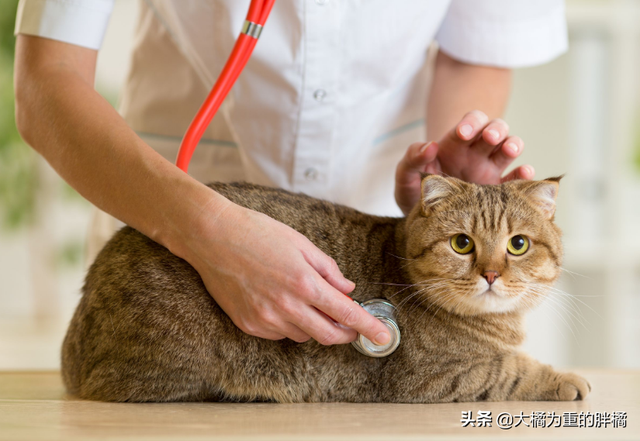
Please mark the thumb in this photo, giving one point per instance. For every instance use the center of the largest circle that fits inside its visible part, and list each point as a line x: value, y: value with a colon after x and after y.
x: 416, y: 159
x: 523, y: 172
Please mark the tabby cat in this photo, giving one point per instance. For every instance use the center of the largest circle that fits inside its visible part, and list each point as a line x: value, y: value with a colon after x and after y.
x: 462, y: 268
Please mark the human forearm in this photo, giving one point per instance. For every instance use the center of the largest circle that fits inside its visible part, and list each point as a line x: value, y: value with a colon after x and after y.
x: 458, y: 88
x: 62, y: 117
x: 272, y: 281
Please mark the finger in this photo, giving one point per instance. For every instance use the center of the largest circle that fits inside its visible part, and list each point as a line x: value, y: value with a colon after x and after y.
x: 346, y: 312
x: 522, y: 172
x: 272, y: 324
x: 414, y: 162
x: 508, y: 151
x: 469, y: 127
x: 322, y: 328
x: 495, y: 132
x: 425, y: 154
x: 293, y: 332
x: 259, y: 331
x: 328, y: 269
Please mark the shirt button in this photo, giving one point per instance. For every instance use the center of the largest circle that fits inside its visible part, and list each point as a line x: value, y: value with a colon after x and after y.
x: 319, y: 94
x: 322, y: 2
x: 311, y: 174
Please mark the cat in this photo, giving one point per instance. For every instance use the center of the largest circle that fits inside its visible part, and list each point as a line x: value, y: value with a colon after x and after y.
x: 146, y: 328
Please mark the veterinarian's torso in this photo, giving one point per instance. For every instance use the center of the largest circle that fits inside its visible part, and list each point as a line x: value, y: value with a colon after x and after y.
x: 333, y: 94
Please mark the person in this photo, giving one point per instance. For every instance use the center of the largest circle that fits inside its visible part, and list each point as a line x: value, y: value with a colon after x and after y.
x: 333, y: 94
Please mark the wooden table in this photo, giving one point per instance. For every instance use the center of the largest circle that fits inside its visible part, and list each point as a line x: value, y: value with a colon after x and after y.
x: 33, y: 406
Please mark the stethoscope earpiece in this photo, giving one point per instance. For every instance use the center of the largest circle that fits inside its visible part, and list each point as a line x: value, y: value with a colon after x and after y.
x: 386, y: 313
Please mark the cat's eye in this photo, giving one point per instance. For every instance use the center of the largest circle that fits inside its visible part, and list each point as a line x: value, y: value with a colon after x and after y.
x: 462, y: 244
x: 518, y: 245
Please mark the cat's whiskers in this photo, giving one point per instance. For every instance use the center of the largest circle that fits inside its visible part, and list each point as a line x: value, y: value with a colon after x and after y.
x: 409, y: 261
x: 434, y: 290
x: 571, y: 297
x: 399, y: 257
x: 462, y: 299
x: 415, y: 284
x: 435, y: 285
x: 406, y: 264
x: 445, y: 300
x: 559, y: 308
x: 572, y: 273
x: 413, y: 295
x: 532, y: 303
x: 391, y: 284
x: 572, y: 312
x: 453, y: 291
x: 442, y: 301
x: 567, y: 309
x: 566, y: 316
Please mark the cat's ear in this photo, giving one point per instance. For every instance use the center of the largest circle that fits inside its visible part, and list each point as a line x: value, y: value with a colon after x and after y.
x: 543, y: 195
x: 436, y: 188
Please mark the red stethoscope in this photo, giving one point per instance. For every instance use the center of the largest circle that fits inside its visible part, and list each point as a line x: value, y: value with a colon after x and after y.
x: 256, y: 18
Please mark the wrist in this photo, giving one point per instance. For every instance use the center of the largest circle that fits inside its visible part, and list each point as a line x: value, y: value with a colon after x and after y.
x: 195, y: 217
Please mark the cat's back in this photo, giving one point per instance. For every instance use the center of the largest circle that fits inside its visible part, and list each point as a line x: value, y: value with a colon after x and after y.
x: 146, y: 310
x: 303, y: 213
x: 360, y: 243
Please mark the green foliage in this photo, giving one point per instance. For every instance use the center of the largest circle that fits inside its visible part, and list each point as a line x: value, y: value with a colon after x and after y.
x: 18, y: 185
x: 7, y: 23
x: 18, y: 174
x: 70, y: 254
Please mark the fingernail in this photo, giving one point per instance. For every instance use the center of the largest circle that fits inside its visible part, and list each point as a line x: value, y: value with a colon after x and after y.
x: 423, y: 148
x: 466, y: 130
x: 494, y: 134
x: 529, y: 169
x: 382, y: 339
x: 513, y: 147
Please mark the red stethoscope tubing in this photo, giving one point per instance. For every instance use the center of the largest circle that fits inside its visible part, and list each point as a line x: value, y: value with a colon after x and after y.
x: 258, y: 13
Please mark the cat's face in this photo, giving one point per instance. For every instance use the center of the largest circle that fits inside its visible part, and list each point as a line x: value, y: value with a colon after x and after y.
x: 484, y: 249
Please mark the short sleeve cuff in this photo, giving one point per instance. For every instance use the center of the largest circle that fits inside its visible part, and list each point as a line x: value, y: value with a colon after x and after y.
x: 523, y: 42
x: 79, y: 22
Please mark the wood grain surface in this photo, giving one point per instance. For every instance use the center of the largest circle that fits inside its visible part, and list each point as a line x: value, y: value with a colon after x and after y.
x: 33, y: 406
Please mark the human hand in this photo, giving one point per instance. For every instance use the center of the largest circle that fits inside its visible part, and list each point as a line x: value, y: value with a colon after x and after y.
x: 274, y: 283
x: 476, y: 150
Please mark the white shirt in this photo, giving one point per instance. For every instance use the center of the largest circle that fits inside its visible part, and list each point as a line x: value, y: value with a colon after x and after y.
x: 333, y: 95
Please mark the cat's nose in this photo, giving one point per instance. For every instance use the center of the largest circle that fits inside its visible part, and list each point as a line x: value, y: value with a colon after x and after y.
x: 491, y: 276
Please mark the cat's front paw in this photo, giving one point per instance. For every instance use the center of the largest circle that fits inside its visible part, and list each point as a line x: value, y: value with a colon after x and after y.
x: 571, y: 387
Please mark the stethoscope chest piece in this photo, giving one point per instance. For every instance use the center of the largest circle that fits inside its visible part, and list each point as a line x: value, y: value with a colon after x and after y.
x: 386, y: 313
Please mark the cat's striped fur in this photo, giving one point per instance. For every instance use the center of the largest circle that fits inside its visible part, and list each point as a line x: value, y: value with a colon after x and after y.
x: 147, y: 330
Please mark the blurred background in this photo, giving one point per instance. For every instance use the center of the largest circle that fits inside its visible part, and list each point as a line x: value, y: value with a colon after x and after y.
x: 578, y: 115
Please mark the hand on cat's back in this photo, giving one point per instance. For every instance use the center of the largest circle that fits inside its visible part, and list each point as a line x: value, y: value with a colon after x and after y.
x: 475, y: 150
x: 273, y: 282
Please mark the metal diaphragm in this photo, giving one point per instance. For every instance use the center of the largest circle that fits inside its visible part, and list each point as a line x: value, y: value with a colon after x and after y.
x: 385, y: 312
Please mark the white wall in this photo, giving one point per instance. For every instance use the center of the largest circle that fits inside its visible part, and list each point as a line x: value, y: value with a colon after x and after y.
x: 577, y: 116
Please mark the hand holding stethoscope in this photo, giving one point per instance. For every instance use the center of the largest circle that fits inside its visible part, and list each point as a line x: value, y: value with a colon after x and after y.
x: 256, y: 18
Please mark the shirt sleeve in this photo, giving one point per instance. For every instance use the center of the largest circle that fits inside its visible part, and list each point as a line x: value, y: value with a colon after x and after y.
x: 504, y: 33
x: 79, y: 22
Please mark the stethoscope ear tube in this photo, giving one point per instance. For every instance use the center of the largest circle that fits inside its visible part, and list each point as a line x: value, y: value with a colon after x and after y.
x: 256, y: 17
x: 385, y: 312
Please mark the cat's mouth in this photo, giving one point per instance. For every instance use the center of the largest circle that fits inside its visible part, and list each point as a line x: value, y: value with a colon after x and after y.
x: 492, y: 298
x: 491, y: 293
x: 494, y: 289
